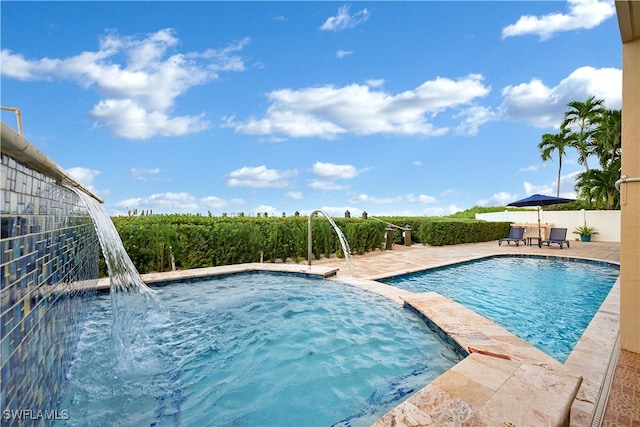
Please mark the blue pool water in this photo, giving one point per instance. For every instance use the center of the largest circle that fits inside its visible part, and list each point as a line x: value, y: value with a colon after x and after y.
x: 255, y: 350
x: 547, y: 302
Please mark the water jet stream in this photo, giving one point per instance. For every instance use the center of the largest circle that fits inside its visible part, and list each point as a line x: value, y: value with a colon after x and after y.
x: 343, y: 241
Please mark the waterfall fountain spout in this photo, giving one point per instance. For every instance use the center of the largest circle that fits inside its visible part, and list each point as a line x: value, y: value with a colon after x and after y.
x: 343, y: 241
x: 123, y: 274
x: 131, y: 300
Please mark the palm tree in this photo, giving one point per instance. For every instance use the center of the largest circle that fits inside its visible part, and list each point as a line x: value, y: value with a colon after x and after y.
x: 598, y: 186
x: 556, y: 142
x: 607, y: 137
x: 585, y: 115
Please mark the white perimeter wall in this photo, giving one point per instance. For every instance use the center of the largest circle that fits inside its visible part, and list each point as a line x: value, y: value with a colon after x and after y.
x: 607, y: 222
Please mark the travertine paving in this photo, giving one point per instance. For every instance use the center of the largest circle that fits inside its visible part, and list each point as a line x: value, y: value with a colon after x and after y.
x: 483, y: 388
x: 590, y: 360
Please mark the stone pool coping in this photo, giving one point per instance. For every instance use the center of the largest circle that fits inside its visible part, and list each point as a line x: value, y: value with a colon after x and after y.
x: 504, y: 381
x: 592, y: 360
x: 537, y: 390
x: 320, y: 272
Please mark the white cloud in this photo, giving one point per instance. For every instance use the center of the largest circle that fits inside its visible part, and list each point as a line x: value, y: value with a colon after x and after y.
x: 329, y: 111
x: 290, y: 123
x: 583, y: 14
x: 472, y: 119
x: 417, y: 163
x: 138, y: 93
x: 295, y: 195
x: 328, y: 173
x: 407, y: 198
x: 15, y: 66
x: 140, y: 174
x: 181, y: 202
x: 325, y: 184
x: 343, y: 20
x: 84, y: 176
x: 334, y: 171
x: 259, y: 177
x: 453, y: 209
x: 266, y: 208
x: 421, y: 198
x: 223, y: 59
x: 544, y: 107
x: 164, y: 202
x: 533, y: 168
x: 441, y: 211
x: 567, y: 184
x: 530, y: 189
x: 129, y: 120
x: 498, y: 199
x: 342, y: 53
x: 365, y: 198
x: 213, y: 202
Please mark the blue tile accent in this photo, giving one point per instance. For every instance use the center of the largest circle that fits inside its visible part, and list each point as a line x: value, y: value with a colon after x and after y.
x: 48, y: 244
x: 453, y: 344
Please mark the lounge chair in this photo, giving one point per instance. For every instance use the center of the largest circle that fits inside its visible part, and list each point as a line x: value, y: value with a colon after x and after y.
x: 516, y: 234
x: 556, y: 235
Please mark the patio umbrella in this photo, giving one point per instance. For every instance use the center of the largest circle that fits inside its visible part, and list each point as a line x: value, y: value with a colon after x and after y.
x: 539, y: 200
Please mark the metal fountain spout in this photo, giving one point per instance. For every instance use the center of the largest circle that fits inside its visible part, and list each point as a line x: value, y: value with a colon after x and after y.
x: 343, y: 241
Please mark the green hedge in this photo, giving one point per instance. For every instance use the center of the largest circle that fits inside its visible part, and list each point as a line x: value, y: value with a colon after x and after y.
x: 438, y: 231
x: 457, y: 231
x: 204, y: 241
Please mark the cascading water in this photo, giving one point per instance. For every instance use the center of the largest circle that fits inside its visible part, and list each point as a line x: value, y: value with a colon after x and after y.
x: 132, y: 301
x: 343, y: 241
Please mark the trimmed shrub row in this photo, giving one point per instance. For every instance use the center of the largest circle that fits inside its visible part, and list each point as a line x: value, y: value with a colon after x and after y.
x: 203, y: 241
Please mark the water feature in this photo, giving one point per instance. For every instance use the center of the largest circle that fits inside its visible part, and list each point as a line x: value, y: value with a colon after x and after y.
x: 548, y: 302
x: 343, y: 241
x: 258, y: 349
x: 131, y: 298
x: 251, y: 351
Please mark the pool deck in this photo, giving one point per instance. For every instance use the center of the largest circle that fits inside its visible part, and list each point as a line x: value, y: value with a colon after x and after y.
x: 504, y: 381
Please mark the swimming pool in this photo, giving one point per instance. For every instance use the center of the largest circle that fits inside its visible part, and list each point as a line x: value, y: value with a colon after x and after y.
x: 256, y: 349
x: 547, y: 302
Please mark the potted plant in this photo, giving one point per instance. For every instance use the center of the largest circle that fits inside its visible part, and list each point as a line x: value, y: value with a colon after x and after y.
x: 585, y: 232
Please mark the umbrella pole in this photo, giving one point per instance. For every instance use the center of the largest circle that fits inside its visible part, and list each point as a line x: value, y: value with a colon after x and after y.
x: 539, y: 229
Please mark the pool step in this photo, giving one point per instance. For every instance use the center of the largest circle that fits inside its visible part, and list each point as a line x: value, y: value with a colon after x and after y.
x: 484, y: 390
x: 503, y: 381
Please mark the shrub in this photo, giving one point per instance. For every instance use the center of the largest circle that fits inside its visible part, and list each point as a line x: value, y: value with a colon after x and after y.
x: 198, y: 241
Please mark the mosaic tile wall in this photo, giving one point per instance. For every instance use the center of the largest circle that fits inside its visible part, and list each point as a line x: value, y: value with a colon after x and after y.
x: 49, y: 270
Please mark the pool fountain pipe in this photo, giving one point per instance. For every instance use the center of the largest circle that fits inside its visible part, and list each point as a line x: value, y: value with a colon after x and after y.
x: 14, y: 145
x: 343, y: 241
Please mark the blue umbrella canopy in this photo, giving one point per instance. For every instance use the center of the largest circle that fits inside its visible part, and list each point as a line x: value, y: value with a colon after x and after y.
x: 539, y: 200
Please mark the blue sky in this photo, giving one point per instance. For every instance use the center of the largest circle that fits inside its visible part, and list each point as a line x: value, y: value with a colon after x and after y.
x: 394, y: 108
